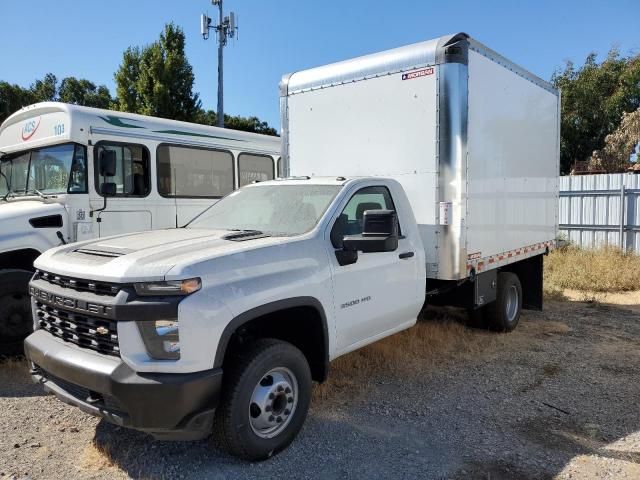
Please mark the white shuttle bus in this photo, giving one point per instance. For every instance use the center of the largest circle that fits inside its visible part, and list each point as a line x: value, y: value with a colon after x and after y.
x: 70, y: 173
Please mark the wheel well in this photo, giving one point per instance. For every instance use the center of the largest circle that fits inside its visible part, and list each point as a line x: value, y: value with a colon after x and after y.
x: 302, y: 326
x: 22, y: 259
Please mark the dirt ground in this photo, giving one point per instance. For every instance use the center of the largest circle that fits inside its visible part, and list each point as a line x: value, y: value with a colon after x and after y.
x: 557, y: 398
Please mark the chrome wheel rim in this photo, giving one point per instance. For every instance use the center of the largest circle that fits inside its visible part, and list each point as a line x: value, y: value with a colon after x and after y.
x: 273, y: 402
x: 512, y: 303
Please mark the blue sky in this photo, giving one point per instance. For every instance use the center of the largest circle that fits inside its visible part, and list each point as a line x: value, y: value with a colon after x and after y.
x: 86, y: 38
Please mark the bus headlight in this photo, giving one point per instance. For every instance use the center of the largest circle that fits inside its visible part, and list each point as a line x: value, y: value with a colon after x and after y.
x: 161, y: 338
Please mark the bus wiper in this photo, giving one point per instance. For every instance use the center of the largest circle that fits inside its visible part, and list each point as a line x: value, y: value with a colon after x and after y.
x: 36, y: 191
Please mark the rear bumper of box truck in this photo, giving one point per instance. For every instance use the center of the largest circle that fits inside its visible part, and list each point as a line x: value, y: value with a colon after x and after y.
x: 167, y: 406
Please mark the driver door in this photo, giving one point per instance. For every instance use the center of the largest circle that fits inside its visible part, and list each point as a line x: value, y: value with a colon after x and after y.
x: 377, y: 293
x: 128, y: 210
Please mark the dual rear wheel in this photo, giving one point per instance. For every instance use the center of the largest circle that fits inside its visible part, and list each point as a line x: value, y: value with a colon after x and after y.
x: 503, y: 314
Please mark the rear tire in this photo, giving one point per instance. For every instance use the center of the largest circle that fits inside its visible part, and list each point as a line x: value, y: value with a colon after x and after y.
x: 16, y: 322
x: 503, y: 315
x: 265, y: 400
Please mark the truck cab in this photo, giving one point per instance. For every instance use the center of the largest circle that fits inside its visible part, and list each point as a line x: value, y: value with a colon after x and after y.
x: 53, y: 190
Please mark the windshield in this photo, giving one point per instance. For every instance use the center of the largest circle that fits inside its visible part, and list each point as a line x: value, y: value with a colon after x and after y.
x: 50, y: 170
x: 278, y: 210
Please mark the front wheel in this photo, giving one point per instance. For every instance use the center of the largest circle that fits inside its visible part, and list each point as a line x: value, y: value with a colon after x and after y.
x: 503, y: 315
x: 266, y: 395
x: 15, y: 310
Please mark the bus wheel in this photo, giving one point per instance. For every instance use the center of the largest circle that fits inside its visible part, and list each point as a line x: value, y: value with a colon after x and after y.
x: 16, y: 321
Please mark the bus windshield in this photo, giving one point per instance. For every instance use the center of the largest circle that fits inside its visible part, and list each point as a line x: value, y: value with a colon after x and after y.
x: 44, y: 171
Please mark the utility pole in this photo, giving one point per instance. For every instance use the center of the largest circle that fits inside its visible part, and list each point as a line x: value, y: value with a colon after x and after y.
x: 226, y: 28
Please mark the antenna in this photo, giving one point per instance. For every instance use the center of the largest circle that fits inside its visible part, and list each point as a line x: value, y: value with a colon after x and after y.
x: 205, y: 23
x: 226, y: 28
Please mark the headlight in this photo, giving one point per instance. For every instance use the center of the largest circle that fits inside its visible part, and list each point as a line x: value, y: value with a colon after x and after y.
x: 171, y: 287
x: 161, y: 338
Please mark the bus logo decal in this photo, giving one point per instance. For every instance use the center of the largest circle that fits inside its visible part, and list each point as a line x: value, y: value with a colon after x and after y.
x: 29, y: 129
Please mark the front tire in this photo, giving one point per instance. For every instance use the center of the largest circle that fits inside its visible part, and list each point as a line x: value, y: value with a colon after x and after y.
x: 16, y: 322
x: 265, y: 400
x: 503, y: 315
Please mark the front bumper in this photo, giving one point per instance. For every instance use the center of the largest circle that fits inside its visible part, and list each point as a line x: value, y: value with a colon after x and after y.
x: 168, y: 406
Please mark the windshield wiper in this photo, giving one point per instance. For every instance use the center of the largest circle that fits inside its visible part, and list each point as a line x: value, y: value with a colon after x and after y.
x: 36, y: 191
x: 241, y: 235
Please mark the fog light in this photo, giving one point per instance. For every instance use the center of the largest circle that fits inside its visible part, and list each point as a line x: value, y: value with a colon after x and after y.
x: 161, y: 338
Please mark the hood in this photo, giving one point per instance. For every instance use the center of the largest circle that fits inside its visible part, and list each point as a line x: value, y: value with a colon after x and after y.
x: 26, y: 209
x: 30, y: 224
x: 144, y: 256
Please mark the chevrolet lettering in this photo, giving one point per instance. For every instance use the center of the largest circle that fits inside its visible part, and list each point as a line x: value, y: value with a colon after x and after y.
x: 70, y: 303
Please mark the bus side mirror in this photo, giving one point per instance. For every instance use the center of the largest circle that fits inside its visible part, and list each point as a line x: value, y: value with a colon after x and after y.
x: 379, y: 233
x: 107, y: 163
x: 107, y: 189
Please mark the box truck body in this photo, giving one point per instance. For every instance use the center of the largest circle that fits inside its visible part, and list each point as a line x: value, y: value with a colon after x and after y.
x: 472, y: 137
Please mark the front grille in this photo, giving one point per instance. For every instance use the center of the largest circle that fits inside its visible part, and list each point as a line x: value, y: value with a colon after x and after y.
x: 104, y: 402
x: 98, y: 334
x: 78, y: 284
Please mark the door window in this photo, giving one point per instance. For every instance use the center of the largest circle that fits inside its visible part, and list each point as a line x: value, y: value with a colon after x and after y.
x: 132, y: 176
x: 350, y: 221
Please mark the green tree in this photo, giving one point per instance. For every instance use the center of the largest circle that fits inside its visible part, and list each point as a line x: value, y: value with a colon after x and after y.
x: 619, y: 145
x: 45, y: 90
x: 594, y: 97
x: 84, y: 92
x: 13, y: 98
x: 157, y: 79
x: 70, y: 90
x: 236, y: 122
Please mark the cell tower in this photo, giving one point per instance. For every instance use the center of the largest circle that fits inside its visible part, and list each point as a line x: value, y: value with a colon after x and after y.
x: 226, y: 28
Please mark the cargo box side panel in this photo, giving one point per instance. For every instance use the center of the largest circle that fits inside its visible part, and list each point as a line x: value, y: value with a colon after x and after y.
x: 512, y: 163
x: 384, y: 126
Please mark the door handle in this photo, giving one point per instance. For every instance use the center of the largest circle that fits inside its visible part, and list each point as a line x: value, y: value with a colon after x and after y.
x: 405, y: 255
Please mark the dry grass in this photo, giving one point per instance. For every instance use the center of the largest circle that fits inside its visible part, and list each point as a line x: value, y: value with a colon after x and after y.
x: 95, y: 458
x: 439, y: 335
x: 593, y: 271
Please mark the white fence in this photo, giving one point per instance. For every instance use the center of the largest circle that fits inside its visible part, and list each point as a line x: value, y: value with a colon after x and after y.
x: 597, y: 210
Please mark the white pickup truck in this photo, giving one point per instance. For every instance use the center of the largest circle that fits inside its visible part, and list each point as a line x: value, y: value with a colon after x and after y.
x: 224, y: 324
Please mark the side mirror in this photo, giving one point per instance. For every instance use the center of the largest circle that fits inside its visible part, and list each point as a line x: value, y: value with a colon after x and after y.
x: 379, y: 233
x: 107, y: 189
x: 107, y: 163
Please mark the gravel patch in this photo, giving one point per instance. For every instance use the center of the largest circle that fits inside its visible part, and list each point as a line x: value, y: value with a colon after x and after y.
x: 557, y: 398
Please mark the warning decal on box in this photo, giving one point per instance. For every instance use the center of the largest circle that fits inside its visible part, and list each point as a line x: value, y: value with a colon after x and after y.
x: 417, y: 74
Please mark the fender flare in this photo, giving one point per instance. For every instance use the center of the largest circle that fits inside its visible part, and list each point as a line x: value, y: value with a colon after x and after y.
x: 266, y: 309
